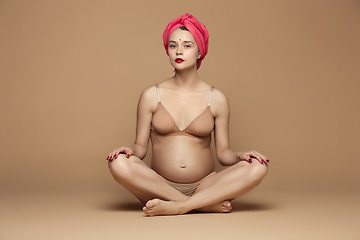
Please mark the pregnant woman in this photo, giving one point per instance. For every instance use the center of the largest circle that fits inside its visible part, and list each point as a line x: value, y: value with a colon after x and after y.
x: 179, y: 115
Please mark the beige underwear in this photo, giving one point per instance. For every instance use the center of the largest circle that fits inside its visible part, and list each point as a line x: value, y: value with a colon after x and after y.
x: 187, y: 188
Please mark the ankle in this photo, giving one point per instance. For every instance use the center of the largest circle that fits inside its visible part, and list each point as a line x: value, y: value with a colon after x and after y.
x: 183, y: 206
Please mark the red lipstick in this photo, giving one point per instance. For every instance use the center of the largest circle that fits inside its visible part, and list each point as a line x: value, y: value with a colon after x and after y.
x: 179, y: 60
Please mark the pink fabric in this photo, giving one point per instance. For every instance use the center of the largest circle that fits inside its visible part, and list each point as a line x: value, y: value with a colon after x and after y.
x: 196, y: 28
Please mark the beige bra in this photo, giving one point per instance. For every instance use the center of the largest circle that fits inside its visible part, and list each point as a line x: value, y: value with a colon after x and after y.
x: 164, y: 124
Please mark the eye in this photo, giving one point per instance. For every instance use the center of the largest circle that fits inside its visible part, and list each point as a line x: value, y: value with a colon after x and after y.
x: 187, y: 46
x: 171, y: 46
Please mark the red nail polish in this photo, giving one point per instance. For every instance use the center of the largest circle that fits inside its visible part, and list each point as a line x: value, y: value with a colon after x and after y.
x: 267, y: 160
x: 127, y: 155
x: 249, y: 160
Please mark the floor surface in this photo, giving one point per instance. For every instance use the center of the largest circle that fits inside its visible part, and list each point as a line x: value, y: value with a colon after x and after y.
x: 103, y: 215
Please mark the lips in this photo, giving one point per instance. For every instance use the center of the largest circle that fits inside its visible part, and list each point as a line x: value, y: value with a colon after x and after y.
x: 179, y: 60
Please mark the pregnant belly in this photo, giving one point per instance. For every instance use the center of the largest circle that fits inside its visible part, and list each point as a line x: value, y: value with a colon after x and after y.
x: 182, y: 159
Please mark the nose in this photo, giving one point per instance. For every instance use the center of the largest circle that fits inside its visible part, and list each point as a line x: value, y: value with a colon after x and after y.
x: 178, y: 51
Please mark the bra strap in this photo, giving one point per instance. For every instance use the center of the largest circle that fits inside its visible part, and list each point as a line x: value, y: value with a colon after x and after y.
x: 158, y: 92
x: 211, y: 93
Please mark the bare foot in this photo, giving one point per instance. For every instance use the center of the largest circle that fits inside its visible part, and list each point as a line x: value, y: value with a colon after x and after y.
x: 221, y: 207
x: 160, y: 207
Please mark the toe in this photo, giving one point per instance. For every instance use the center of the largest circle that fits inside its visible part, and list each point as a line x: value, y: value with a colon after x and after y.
x: 147, y: 212
x: 227, y: 206
x: 151, y: 203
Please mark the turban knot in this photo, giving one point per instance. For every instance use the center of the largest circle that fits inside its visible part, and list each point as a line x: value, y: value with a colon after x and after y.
x: 197, y: 30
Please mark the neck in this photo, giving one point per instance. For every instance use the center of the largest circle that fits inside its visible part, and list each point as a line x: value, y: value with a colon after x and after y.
x: 186, y: 78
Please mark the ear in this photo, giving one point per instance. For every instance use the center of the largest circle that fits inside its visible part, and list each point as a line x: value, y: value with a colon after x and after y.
x: 199, y: 56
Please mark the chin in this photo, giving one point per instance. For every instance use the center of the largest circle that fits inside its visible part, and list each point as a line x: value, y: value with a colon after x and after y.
x: 184, y: 67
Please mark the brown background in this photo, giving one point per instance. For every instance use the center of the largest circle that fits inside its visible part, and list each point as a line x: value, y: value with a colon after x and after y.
x: 72, y: 72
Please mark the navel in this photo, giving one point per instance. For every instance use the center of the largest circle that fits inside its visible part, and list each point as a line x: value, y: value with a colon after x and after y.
x: 183, y: 166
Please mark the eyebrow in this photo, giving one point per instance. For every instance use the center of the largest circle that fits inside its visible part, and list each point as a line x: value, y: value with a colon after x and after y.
x: 182, y: 41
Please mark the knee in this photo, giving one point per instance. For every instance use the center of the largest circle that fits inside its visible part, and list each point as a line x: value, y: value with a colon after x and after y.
x: 257, y: 171
x: 120, y: 167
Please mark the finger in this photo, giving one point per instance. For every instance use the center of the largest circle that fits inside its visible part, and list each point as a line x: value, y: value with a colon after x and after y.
x: 249, y: 157
x: 129, y: 152
x: 120, y: 150
x: 117, y: 152
x: 263, y: 157
x: 109, y: 156
x: 114, y: 153
x: 252, y: 155
x: 260, y: 157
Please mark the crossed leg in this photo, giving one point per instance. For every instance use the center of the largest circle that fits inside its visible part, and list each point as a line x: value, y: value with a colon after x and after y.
x: 229, y: 183
x: 146, y: 184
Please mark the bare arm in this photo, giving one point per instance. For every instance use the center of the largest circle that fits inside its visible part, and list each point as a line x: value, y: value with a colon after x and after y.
x: 221, y: 107
x: 226, y: 156
x: 145, y: 108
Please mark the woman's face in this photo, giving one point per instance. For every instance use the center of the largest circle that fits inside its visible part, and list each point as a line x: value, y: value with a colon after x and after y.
x: 182, y: 45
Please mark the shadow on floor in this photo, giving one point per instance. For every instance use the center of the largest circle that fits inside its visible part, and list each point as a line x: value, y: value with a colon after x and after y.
x: 242, y: 206
x: 237, y: 206
x: 123, y: 206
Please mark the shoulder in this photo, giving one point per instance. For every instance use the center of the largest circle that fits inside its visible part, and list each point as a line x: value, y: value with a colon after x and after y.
x: 219, y: 96
x: 148, y: 93
x: 148, y: 98
x: 220, y: 103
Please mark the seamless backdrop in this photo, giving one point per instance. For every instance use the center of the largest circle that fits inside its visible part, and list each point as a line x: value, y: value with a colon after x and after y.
x: 72, y: 72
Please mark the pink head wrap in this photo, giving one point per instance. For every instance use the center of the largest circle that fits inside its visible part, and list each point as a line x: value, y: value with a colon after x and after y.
x: 196, y: 28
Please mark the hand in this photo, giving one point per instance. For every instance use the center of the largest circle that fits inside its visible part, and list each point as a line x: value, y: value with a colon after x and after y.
x: 249, y: 156
x: 125, y: 150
